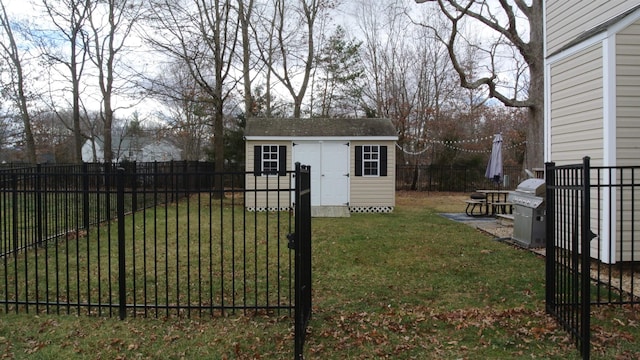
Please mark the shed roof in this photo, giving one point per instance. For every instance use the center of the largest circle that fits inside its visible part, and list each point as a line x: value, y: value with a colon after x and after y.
x: 316, y: 127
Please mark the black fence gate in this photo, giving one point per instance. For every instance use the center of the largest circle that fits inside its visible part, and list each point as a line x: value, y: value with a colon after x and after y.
x: 154, y: 239
x: 593, y: 243
x: 567, y: 250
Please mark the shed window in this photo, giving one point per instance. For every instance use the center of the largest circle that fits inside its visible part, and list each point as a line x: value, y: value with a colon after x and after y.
x: 371, y: 160
x: 270, y: 160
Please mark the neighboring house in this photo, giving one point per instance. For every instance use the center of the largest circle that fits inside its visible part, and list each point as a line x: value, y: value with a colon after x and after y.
x: 352, y: 161
x: 592, y: 90
x: 141, y: 149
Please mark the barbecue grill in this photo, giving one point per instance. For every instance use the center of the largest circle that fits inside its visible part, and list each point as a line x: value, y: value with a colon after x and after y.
x: 529, y: 213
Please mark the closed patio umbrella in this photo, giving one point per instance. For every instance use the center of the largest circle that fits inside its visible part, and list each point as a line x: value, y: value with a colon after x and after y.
x: 494, y: 168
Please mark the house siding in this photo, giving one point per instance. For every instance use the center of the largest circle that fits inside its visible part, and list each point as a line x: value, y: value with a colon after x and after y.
x: 576, y: 107
x: 592, y: 107
x: 263, y: 200
x: 373, y: 191
x: 566, y: 20
x: 628, y: 95
x: 627, y: 135
x: 627, y: 236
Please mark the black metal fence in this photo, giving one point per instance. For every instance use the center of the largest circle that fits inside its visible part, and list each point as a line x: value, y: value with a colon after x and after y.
x: 157, y: 239
x: 53, y: 201
x: 300, y: 241
x: 453, y: 178
x: 593, y: 242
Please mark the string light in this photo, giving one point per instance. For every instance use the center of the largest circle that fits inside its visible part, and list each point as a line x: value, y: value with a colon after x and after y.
x: 512, y: 146
x: 449, y: 145
x: 465, y: 141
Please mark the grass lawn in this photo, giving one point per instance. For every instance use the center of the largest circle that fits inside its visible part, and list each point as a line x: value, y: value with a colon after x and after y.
x: 405, y: 285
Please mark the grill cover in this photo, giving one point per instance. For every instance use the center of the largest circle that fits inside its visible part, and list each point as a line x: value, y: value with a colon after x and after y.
x: 534, y: 187
x: 529, y: 213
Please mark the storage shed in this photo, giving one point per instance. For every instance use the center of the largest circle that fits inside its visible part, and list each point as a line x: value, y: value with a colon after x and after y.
x: 592, y: 107
x: 352, y: 162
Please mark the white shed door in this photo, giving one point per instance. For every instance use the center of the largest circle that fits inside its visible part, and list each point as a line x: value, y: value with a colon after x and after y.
x: 329, y: 162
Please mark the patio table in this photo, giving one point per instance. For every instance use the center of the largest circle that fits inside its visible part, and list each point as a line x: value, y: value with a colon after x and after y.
x: 496, y: 202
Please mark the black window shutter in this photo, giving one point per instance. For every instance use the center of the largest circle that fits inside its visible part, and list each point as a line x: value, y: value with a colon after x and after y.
x: 358, y: 160
x: 282, y: 158
x: 257, y: 160
x: 383, y: 161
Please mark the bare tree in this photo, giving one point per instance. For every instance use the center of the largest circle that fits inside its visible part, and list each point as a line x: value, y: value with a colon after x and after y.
x: 13, y: 58
x: 185, y: 110
x: 244, y: 14
x: 111, y: 23
x: 69, y: 18
x: 518, y: 28
x: 53, y: 137
x: 264, y: 33
x: 294, y: 28
x: 409, y: 77
x: 203, y: 35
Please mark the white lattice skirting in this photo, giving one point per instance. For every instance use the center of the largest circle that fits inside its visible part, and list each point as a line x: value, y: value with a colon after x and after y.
x: 353, y: 209
x: 371, y: 209
x: 261, y: 209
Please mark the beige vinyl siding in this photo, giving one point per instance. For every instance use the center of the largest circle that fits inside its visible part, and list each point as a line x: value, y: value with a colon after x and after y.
x: 628, y: 139
x: 273, y: 199
x: 628, y: 95
x: 576, y: 107
x: 373, y: 191
x: 625, y: 230
x: 566, y: 20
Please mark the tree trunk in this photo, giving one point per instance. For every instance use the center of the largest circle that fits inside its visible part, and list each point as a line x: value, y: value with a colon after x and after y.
x: 245, y: 16
x: 28, y: 134
x: 108, y: 124
x: 12, y: 57
x: 24, y: 113
x: 218, y: 155
x: 534, y: 155
x: 534, y: 150
x: 77, y: 135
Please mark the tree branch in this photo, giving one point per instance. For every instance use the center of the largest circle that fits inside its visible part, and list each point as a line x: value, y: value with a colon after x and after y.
x: 526, y: 9
x: 509, y: 32
x: 491, y: 81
